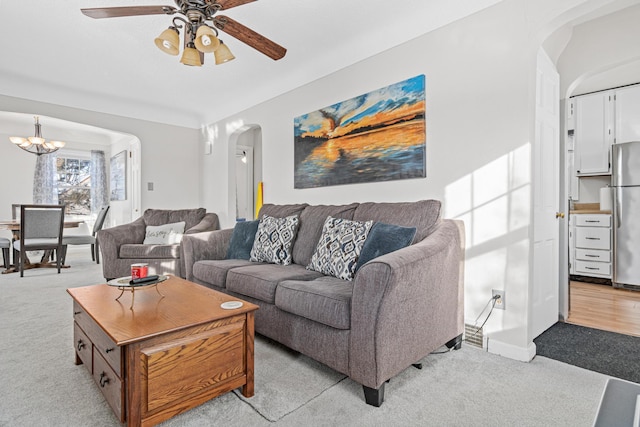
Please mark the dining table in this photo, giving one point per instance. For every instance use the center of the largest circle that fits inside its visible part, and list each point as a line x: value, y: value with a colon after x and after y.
x: 14, y: 226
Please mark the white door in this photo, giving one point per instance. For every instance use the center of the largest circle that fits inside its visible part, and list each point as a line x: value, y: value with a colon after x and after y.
x: 546, y: 188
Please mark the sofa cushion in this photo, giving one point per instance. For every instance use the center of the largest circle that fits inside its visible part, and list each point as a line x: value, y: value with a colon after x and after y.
x: 165, y: 234
x: 260, y: 280
x: 384, y: 238
x: 423, y: 215
x: 244, y: 233
x: 215, y: 271
x: 326, y: 300
x: 312, y: 219
x: 339, y: 247
x: 191, y: 217
x: 139, y: 250
x: 274, y: 239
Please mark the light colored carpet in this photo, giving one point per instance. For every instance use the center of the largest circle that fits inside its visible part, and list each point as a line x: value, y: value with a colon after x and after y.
x: 41, y: 386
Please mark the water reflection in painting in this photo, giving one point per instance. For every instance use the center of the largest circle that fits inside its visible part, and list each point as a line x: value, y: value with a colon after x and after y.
x: 379, y: 136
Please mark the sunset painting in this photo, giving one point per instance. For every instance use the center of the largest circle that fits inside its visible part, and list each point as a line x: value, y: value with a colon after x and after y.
x: 378, y: 136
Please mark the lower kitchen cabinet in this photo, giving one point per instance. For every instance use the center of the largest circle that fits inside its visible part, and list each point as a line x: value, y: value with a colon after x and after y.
x: 590, y: 245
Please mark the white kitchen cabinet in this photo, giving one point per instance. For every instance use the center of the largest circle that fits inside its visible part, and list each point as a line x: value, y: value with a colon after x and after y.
x: 590, y: 245
x: 593, y: 133
x: 627, y: 113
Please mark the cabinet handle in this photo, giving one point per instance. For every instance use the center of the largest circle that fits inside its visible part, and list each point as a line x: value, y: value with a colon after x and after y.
x: 592, y: 268
x: 80, y: 345
x: 592, y: 220
x: 592, y: 238
x: 108, y: 350
x: 103, y: 380
x: 592, y: 256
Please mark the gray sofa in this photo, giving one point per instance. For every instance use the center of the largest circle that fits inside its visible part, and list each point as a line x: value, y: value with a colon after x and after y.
x: 123, y: 245
x: 398, y: 308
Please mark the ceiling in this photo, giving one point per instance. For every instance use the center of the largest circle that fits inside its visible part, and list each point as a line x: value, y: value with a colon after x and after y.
x: 52, y: 53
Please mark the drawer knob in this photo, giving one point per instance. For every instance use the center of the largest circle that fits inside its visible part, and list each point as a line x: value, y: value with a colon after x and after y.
x: 75, y: 313
x: 109, y: 350
x: 103, y: 380
x: 80, y: 345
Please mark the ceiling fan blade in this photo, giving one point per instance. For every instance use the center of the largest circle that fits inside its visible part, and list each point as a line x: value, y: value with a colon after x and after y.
x: 117, y: 12
x: 228, y: 4
x: 250, y: 37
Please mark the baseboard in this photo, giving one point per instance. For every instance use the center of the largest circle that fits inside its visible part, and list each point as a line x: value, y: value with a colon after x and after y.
x: 522, y: 354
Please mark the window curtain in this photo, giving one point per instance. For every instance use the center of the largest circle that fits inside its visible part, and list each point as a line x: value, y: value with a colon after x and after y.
x: 99, y: 191
x: 45, y: 184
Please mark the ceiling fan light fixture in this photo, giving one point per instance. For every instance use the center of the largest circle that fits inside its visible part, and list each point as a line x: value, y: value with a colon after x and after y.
x: 168, y: 41
x: 191, y: 56
x: 223, y: 54
x: 206, y: 40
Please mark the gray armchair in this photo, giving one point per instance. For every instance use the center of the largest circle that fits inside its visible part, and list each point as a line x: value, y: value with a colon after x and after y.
x: 123, y: 245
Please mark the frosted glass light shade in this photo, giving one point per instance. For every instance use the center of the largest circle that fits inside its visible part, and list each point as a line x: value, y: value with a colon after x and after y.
x: 223, y: 54
x: 191, y: 56
x: 35, y: 140
x: 168, y: 41
x: 206, y: 40
x: 57, y: 144
x: 17, y: 140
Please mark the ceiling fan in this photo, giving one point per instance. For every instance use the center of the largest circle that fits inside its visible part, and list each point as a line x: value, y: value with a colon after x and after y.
x: 200, y: 37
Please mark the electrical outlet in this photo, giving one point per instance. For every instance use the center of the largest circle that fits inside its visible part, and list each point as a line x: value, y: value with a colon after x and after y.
x: 501, y: 301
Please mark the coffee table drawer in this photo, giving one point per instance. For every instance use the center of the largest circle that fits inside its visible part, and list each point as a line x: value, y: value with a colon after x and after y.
x: 83, y: 347
x: 110, y: 385
x: 105, y: 346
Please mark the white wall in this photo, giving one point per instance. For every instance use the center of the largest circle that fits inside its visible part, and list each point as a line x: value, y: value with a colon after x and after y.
x: 169, y: 155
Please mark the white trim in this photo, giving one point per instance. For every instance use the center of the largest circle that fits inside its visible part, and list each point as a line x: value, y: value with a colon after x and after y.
x: 523, y: 354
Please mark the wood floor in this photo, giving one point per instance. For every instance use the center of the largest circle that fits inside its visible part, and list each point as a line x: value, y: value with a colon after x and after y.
x: 603, y: 307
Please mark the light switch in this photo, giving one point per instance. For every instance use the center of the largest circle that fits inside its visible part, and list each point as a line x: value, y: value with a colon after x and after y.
x: 150, y: 186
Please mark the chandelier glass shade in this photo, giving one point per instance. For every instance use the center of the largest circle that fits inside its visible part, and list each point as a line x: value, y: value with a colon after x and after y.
x: 199, y: 39
x: 36, y: 144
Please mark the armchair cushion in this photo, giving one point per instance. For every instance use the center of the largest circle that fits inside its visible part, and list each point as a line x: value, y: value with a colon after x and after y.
x: 141, y: 251
x: 165, y: 234
x: 191, y: 217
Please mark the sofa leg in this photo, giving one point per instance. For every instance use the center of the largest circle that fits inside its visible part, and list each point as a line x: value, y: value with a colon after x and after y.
x: 374, y: 397
x: 455, y: 343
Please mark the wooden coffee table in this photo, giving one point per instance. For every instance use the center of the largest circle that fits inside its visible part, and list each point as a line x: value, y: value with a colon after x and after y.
x: 168, y: 352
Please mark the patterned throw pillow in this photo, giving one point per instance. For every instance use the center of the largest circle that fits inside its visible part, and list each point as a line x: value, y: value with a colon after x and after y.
x: 274, y: 239
x: 339, y: 247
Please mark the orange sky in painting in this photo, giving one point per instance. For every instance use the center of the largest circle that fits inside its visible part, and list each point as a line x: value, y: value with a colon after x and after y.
x: 405, y: 112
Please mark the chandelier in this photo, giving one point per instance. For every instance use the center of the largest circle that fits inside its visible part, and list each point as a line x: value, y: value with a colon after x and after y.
x: 36, y: 144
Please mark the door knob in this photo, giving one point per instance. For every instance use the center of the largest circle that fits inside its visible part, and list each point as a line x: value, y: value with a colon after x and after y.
x: 559, y: 214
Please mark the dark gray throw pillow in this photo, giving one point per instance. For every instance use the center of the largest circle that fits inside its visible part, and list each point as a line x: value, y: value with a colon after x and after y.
x: 384, y: 238
x: 244, y: 233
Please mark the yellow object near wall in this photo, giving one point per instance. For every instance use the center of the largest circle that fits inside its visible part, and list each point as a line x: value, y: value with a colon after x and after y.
x: 258, y: 198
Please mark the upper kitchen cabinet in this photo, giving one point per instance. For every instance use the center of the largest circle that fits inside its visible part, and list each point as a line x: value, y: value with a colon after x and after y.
x: 593, y: 133
x: 627, y: 112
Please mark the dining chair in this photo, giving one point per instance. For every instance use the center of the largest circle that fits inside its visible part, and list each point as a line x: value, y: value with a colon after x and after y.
x: 87, y: 239
x: 5, y: 244
x: 40, y: 229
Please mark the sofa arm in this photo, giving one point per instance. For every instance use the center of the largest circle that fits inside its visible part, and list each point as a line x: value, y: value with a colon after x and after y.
x: 201, y: 246
x: 110, y: 240
x: 406, y: 304
x: 210, y: 222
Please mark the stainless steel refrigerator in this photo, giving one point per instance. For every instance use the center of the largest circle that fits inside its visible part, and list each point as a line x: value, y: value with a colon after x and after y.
x: 626, y: 213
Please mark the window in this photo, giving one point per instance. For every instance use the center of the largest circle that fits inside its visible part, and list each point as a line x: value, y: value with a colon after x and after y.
x: 74, y: 183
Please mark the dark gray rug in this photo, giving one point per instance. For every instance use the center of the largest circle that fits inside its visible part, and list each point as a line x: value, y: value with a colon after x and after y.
x: 601, y: 351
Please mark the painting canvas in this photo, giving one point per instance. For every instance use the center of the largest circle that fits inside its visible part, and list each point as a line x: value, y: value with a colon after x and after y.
x: 118, y: 181
x: 378, y: 136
